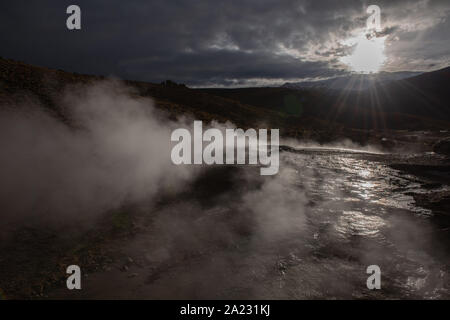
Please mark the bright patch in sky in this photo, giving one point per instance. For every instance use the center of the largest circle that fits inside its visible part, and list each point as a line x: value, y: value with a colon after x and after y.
x: 367, y: 55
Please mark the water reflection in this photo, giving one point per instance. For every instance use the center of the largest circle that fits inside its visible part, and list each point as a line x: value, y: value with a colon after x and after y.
x: 352, y: 223
x: 364, y: 214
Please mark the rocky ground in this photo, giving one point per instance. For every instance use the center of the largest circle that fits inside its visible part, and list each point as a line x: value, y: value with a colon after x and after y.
x: 33, y: 261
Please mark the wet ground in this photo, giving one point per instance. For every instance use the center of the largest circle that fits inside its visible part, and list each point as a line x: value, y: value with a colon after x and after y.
x: 309, y: 232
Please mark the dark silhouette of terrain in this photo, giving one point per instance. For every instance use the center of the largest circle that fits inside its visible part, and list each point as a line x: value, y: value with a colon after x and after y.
x: 416, y: 103
x: 390, y: 114
x: 363, y: 81
x: 22, y: 82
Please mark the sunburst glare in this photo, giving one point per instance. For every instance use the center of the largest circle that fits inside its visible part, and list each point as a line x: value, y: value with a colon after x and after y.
x: 367, y: 55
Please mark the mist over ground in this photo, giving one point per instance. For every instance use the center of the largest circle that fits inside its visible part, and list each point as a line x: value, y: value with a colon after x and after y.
x: 309, y: 231
x: 115, y: 150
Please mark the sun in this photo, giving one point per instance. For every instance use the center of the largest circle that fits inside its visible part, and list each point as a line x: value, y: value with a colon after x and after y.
x: 367, y: 55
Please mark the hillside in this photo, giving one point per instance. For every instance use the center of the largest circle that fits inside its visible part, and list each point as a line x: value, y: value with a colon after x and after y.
x: 21, y: 82
x: 416, y: 103
x: 362, y: 81
x: 317, y: 114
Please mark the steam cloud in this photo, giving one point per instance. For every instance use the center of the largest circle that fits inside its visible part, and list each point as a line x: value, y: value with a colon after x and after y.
x: 118, y: 151
x: 271, y: 236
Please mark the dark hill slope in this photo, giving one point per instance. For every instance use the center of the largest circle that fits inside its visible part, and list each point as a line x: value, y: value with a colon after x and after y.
x: 309, y: 113
x: 420, y: 102
x: 20, y: 81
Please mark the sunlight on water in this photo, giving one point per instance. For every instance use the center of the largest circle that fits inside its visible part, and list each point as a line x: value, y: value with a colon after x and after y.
x: 357, y: 223
x: 360, y: 203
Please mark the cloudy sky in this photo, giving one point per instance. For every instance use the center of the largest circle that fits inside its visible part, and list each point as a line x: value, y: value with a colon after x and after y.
x: 224, y: 42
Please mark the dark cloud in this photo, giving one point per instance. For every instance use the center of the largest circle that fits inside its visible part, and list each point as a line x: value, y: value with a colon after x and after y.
x: 218, y: 42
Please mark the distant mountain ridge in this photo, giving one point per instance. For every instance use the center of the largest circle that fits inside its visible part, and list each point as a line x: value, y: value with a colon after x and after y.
x: 354, y: 82
x: 415, y: 103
